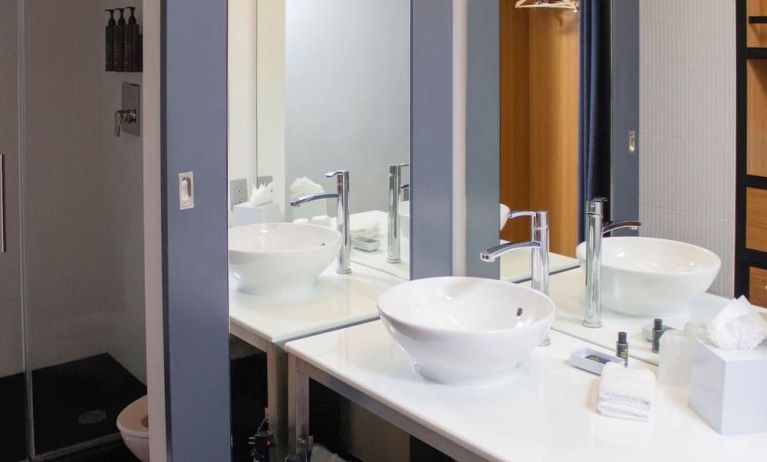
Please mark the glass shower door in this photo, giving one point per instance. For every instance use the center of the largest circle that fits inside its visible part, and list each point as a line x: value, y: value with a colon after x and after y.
x: 78, y: 198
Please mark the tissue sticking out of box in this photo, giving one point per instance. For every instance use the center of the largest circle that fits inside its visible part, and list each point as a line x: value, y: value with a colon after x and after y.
x: 738, y: 326
x: 303, y: 186
x: 262, y: 194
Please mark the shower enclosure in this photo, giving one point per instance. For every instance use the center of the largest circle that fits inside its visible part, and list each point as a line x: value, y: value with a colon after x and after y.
x: 72, y: 348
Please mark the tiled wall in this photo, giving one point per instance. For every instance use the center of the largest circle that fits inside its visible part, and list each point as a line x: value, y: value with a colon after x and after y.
x: 82, y: 194
x: 687, y: 126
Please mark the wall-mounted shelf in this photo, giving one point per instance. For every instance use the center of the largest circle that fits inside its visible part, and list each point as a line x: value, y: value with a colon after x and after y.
x: 756, y: 53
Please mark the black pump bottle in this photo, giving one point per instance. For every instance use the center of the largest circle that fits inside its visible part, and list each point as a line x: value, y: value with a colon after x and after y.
x: 120, y: 42
x: 110, y: 41
x: 131, y: 43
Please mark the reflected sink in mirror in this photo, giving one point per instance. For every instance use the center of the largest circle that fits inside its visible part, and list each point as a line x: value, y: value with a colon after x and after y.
x: 464, y: 330
x: 280, y: 258
x: 650, y: 277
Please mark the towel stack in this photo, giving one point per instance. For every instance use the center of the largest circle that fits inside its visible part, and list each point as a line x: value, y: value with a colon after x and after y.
x: 626, y: 393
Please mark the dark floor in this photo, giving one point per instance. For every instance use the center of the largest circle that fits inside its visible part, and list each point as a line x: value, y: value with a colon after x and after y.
x: 248, y: 397
x: 12, y: 405
x: 79, y: 401
x: 116, y: 452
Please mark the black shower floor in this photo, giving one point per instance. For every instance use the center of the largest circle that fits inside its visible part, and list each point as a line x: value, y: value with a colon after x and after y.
x: 79, y: 401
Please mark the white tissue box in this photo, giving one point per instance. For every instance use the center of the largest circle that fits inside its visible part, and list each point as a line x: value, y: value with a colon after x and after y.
x: 248, y: 214
x: 728, y: 388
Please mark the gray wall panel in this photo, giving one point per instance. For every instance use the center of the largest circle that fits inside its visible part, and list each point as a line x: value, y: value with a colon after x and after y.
x: 195, y: 240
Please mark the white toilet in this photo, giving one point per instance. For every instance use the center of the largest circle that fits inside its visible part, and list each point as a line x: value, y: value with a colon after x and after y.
x: 133, y: 423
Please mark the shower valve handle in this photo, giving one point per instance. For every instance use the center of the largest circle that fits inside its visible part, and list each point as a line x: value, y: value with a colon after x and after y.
x: 124, y: 117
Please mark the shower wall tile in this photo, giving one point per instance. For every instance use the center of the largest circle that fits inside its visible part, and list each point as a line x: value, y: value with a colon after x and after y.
x: 687, y: 126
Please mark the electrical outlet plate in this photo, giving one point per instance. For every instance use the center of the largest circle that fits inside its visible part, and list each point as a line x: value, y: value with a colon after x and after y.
x: 238, y: 191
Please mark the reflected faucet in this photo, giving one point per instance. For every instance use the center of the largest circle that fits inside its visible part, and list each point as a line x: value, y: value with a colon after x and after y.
x: 342, y: 216
x: 394, y: 233
x: 595, y: 230
x: 539, y: 257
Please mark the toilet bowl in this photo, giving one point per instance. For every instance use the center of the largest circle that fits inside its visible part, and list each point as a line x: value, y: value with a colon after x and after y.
x: 133, y: 423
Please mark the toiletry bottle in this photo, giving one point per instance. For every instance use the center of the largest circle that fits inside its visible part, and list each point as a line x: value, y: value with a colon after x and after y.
x: 131, y: 42
x: 110, y: 41
x: 119, y: 43
x: 657, y: 332
x: 622, y: 348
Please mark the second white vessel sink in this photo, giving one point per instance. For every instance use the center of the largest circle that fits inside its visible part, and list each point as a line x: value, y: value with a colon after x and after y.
x: 280, y: 258
x: 649, y: 277
x: 466, y: 330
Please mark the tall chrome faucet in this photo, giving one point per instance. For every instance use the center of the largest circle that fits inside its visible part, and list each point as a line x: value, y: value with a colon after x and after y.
x: 595, y: 230
x: 539, y: 243
x: 342, y: 216
x: 394, y: 234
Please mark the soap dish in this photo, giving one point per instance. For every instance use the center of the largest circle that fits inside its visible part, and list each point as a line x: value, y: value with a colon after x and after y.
x: 366, y: 244
x: 592, y: 360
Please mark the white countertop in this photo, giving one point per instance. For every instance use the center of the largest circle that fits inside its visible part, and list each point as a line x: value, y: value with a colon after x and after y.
x: 545, y: 413
x: 337, y: 301
x: 568, y: 290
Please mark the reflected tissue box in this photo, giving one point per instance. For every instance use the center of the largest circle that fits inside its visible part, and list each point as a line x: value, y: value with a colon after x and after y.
x: 728, y: 388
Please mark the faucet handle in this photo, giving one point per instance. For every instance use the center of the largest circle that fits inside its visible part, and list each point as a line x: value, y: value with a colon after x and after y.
x: 338, y: 173
x: 540, y: 218
x: 342, y: 180
x: 521, y: 213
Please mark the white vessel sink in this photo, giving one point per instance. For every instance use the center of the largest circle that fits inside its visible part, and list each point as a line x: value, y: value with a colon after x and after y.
x: 466, y: 330
x: 280, y: 258
x: 651, y: 277
x: 505, y: 211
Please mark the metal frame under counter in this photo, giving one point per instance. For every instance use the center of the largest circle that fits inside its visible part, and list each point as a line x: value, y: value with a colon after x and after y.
x: 267, y: 323
x: 545, y: 412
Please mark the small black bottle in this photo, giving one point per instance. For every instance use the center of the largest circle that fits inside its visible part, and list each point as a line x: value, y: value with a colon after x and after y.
x: 110, y: 41
x: 657, y: 331
x: 131, y: 42
x: 119, y: 46
x: 622, y: 348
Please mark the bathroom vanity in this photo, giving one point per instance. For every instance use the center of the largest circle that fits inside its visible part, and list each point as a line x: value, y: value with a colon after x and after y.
x: 544, y: 413
x: 267, y: 323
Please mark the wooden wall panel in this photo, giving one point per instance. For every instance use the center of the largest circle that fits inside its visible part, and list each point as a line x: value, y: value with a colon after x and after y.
x: 515, y: 120
x: 757, y: 117
x: 554, y: 65
x: 757, y: 33
x: 756, y: 219
x: 539, y: 120
x: 757, y: 286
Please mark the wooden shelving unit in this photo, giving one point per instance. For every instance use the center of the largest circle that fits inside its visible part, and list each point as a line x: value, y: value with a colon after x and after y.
x: 751, y: 207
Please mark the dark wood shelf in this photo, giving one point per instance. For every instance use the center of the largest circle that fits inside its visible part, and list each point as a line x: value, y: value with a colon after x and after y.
x: 758, y: 182
x: 756, y: 53
x: 757, y: 19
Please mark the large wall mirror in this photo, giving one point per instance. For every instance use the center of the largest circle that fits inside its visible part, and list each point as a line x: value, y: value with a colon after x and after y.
x: 317, y: 87
x: 633, y: 101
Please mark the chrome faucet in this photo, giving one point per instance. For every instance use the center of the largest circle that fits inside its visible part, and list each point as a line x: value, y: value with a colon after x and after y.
x: 595, y: 230
x: 342, y: 216
x: 539, y: 257
x: 394, y: 236
x: 539, y: 243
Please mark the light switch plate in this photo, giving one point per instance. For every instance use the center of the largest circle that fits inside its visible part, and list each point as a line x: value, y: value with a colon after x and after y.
x: 186, y: 190
x: 238, y: 191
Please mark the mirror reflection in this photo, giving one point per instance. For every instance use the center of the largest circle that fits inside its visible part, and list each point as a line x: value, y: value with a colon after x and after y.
x: 628, y: 143
x: 320, y: 132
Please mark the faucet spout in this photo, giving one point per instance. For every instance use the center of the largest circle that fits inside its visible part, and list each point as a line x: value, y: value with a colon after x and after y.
x: 490, y: 255
x: 312, y: 197
x: 342, y: 216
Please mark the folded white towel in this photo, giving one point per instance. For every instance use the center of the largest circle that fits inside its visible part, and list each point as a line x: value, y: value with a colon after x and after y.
x: 626, y: 393
x: 372, y: 231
